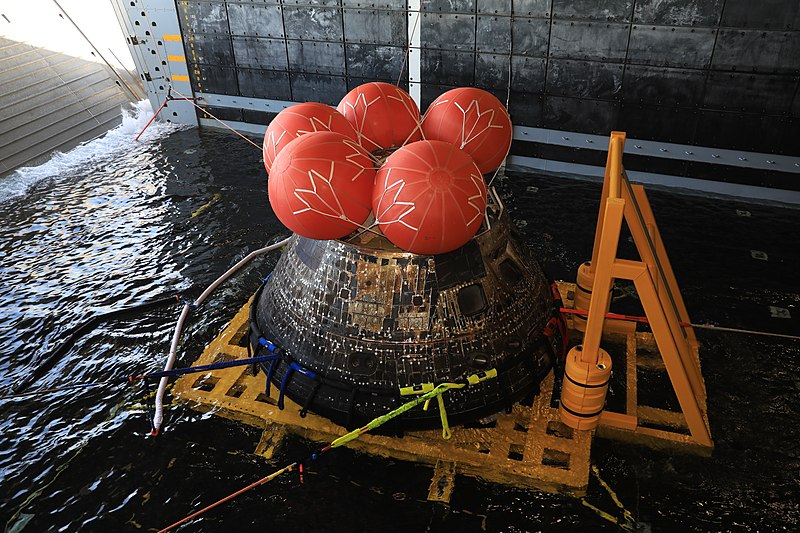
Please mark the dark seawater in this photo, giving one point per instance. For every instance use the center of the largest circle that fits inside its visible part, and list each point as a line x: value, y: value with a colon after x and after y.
x: 118, y: 230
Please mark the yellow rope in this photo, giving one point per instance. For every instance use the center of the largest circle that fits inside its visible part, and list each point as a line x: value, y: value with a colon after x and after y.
x: 627, y: 517
x: 625, y: 513
x: 602, y: 514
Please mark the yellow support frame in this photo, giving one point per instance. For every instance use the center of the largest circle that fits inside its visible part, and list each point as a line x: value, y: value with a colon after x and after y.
x: 658, y: 290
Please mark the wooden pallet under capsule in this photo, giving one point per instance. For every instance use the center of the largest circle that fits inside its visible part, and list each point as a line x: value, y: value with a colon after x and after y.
x: 528, y: 447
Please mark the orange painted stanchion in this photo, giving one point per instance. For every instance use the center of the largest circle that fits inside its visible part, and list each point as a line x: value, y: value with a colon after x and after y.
x: 585, y: 379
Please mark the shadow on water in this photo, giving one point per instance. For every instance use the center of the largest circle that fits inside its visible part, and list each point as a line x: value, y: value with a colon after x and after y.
x: 121, y: 230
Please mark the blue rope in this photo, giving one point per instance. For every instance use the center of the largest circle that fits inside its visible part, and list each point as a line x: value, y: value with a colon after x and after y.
x: 201, y: 368
x: 293, y: 367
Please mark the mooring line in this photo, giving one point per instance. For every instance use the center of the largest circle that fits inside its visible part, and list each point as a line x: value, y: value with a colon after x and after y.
x: 191, y: 101
x: 436, y: 392
x: 645, y: 320
x: 408, y: 51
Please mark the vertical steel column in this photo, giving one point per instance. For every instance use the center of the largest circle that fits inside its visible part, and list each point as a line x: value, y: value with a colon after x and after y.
x: 415, y: 50
x: 153, y: 33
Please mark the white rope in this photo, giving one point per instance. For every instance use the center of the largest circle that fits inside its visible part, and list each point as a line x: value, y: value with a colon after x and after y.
x: 158, y: 418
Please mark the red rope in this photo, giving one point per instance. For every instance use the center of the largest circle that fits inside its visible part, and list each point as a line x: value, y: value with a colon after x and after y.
x: 229, y: 497
x: 153, y: 118
x: 617, y: 316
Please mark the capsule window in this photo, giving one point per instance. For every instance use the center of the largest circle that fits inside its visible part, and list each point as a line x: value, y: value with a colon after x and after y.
x: 471, y: 300
x: 510, y: 271
x: 479, y: 361
x: 362, y: 364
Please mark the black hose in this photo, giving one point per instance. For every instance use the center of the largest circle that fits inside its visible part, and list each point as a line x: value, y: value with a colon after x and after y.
x: 75, y: 333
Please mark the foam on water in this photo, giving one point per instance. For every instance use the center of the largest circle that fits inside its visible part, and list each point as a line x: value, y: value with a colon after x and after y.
x: 113, y: 142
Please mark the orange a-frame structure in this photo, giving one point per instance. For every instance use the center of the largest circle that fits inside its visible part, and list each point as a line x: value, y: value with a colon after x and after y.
x: 660, y: 296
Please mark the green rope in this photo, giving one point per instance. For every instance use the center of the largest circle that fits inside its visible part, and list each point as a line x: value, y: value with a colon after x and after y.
x: 429, y: 393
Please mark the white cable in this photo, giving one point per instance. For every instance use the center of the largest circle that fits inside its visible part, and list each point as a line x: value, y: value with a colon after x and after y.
x: 158, y: 418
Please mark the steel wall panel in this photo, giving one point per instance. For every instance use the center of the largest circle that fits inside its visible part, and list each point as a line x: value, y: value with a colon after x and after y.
x: 213, y: 49
x: 589, y: 40
x: 375, y: 27
x: 690, y: 76
x: 526, y: 109
x: 430, y: 92
x: 491, y: 71
x: 575, y: 114
x: 789, y: 144
x: 449, y: 67
x: 765, y: 51
x: 663, y: 86
x: 608, y: 10
x: 678, y: 12
x: 258, y: 20
x: 316, y: 57
x: 528, y: 74
x: 494, y: 7
x: 221, y: 113
x: 257, y: 52
x: 216, y: 79
x: 318, y: 88
x: 374, y: 61
x: 446, y: 6
x: 493, y: 34
x: 312, y: 23
x: 756, y: 93
x: 448, y: 32
x: 264, y: 84
x: 532, y: 8
x: 531, y: 37
x: 768, y: 14
x: 675, y: 47
x: 584, y: 79
x: 740, y: 131
x: 205, y: 17
x: 396, y: 5
x: 353, y: 82
x: 658, y: 123
x: 254, y: 116
x: 323, y: 3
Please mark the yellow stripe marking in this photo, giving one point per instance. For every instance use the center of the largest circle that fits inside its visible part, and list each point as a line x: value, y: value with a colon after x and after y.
x: 181, y: 59
x: 180, y: 78
x: 171, y: 37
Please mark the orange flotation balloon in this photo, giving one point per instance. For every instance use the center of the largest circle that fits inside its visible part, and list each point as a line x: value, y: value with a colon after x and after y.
x: 475, y: 121
x: 384, y: 116
x: 429, y: 197
x: 321, y: 185
x: 298, y: 120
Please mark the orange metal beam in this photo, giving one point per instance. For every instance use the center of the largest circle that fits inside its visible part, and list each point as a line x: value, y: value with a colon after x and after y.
x: 612, y: 224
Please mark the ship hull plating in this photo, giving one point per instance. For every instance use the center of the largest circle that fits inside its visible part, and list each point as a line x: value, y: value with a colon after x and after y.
x: 358, y: 321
